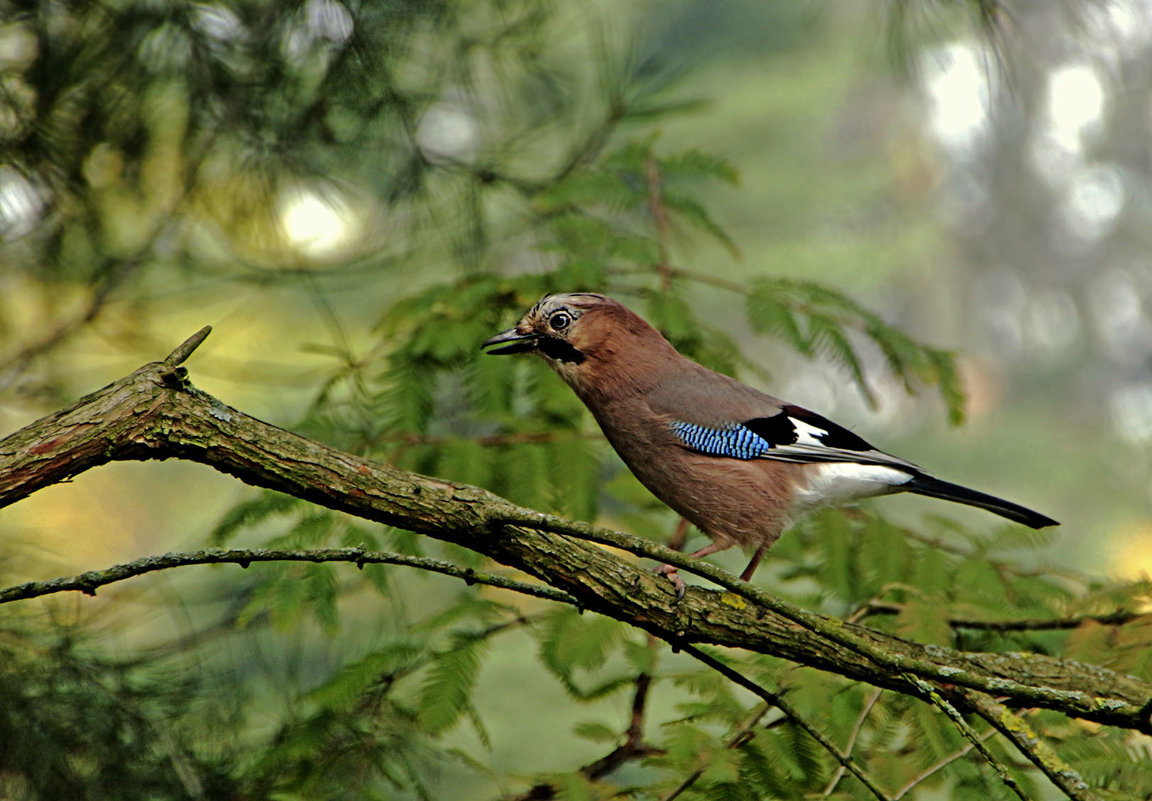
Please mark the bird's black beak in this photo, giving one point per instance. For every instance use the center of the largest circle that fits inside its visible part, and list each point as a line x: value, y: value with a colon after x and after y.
x: 513, y: 342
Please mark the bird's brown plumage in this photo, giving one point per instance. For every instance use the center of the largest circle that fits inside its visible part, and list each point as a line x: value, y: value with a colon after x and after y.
x: 735, y: 482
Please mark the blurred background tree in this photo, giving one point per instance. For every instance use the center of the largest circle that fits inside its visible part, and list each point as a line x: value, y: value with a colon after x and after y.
x: 357, y: 195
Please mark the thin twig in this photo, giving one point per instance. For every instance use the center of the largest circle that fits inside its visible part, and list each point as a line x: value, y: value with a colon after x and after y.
x: 187, y: 347
x: 633, y: 746
x: 737, y: 740
x: 852, y: 736
x: 635, y: 731
x: 933, y: 696
x: 1116, y: 618
x: 659, y: 219
x: 862, y: 611
x: 89, y: 582
x: 1038, y: 752
x: 777, y: 700
x: 939, y: 766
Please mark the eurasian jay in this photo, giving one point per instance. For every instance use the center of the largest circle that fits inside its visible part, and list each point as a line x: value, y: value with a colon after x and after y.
x: 737, y: 463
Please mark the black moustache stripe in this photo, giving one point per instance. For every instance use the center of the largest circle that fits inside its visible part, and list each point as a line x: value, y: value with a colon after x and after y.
x: 559, y: 350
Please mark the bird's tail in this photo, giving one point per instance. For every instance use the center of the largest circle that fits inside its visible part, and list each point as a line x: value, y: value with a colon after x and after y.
x: 935, y: 488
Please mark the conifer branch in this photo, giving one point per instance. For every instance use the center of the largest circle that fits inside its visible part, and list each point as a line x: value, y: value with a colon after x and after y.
x: 631, y: 749
x: 933, y: 696
x: 777, y: 700
x: 738, y: 739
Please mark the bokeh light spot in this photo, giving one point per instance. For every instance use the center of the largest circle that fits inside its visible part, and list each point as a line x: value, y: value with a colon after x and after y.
x: 956, y: 79
x: 316, y: 223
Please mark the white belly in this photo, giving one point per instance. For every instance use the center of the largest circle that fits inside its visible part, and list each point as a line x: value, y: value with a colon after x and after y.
x: 835, y: 483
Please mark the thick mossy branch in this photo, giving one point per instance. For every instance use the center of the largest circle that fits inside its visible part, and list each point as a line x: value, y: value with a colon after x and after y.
x: 155, y: 414
x: 1017, y: 731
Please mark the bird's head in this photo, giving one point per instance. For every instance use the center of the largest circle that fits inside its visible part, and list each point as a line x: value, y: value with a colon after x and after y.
x: 585, y: 337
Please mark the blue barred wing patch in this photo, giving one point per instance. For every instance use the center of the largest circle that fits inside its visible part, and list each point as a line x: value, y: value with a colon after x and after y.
x: 734, y: 441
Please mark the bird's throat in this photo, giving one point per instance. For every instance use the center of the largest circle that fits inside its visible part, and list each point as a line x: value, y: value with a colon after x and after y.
x: 558, y: 349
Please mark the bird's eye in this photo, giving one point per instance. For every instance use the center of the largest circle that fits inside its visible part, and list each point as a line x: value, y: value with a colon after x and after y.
x: 560, y: 321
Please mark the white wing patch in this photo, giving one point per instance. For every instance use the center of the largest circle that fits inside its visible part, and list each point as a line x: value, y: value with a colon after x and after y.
x: 836, y: 483
x: 807, y: 434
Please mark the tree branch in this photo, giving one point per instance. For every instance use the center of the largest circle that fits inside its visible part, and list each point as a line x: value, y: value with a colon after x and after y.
x: 777, y: 700
x: 1009, y: 673
x: 931, y: 771
x: 1020, y: 734
x: 933, y: 696
x: 91, y: 580
x: 852, y: 736
x: 155, y: 414
x: 735, y: 741
x: 1118, y: 617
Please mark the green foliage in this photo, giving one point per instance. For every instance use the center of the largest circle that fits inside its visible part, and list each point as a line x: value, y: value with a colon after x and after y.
x: 575, y: 644
x: 250, y: 513
x: 448, y: 686
x: 70, y: 713
x: 568, y: 186
x: 818, y: 321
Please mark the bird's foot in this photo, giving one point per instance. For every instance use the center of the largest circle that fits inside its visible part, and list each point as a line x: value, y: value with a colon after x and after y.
x: 674, y: 576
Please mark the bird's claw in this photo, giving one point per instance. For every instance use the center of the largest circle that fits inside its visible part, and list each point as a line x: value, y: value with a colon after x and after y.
x: 674, y: 576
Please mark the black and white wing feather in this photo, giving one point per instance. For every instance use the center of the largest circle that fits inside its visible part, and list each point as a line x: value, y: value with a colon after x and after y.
x: 793, y: 435
x: 851, y: 468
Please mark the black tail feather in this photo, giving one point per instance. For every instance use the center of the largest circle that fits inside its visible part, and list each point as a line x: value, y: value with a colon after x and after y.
x: 935, y: 488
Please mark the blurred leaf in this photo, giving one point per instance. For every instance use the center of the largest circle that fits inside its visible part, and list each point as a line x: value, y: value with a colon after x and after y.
x: 447, y: 688
x: 250, y: 513
x: 571, y: 642
x: 321, y: 581
x: 723, y: 766
x: 353, y: 683
x: 925, y: 621
x: 596, y: 732
x: 574, y: 787
x: 815, y: 319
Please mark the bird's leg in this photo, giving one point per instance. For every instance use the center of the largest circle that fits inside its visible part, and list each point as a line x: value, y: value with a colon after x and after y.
x: 678, y: 538
x: 676, y: 544
x: 756, y: 557
x: 674, y: 576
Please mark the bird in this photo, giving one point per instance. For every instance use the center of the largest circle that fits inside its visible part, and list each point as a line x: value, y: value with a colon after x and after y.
x: 735, y: 462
